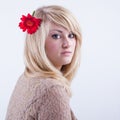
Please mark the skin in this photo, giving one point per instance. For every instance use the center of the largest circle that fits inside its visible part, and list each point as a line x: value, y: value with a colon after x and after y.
x: 60, y: 46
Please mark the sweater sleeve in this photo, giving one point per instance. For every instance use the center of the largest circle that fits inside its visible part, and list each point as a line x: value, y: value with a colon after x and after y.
x: 55, y: 105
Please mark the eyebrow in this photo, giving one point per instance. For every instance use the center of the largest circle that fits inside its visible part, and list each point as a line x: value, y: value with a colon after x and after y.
x: 56, y: 30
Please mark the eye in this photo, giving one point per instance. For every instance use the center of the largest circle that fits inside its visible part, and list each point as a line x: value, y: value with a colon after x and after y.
x: 71, y: 35
x: 56, y: 36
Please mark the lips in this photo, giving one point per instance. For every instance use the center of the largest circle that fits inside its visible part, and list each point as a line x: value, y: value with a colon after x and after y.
x: 67, y: 53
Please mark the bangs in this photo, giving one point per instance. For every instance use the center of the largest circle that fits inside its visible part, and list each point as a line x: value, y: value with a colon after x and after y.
x: 64, y: 21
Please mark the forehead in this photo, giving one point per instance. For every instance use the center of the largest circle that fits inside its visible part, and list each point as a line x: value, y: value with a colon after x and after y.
x: 58, y: 28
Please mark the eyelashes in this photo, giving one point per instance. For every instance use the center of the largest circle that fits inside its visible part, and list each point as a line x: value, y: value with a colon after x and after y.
x: 71, y: 35
x: 56, y: 36
x: 59, y: 36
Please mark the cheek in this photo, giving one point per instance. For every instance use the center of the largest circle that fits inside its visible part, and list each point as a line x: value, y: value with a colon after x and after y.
x: 50, y: 48
x: 74, y: 44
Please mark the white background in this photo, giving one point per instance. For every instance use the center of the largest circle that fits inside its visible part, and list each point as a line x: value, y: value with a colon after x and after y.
x: 96, y: 87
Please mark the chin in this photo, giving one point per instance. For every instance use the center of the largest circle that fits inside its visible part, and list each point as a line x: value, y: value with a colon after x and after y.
x: 67, y: 62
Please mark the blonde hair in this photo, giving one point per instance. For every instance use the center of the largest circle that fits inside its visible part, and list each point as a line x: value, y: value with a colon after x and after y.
x: 36, y: 62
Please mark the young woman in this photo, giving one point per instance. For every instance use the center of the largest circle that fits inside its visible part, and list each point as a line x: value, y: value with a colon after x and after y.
x: 52, y: 56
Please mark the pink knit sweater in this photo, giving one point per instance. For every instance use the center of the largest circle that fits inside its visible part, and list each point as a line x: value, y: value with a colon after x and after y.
x: 39, y: 99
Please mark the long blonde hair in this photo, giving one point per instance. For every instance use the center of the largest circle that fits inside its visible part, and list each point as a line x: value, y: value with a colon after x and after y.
x: 36, y: 62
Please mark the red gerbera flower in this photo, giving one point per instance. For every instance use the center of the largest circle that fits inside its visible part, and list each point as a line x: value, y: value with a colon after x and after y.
x: 29, y: 23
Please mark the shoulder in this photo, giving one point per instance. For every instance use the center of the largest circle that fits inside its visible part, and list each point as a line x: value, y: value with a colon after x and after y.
x: 57, y: 95
x: 51, y: 87
x: 41, y: 82
x: 52, y: 103
x: 41, y: 86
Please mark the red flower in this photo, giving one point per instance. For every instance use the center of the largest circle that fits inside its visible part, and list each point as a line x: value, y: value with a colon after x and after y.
x: 29, y: 23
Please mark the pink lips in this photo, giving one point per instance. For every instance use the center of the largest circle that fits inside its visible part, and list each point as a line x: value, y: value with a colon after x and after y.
x: 66, y: 53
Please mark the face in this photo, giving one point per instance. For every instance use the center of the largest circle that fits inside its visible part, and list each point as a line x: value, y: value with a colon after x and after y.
x: 60, y: 46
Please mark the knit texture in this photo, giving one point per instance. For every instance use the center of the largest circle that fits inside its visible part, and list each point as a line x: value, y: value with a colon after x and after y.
x: 39, y: 99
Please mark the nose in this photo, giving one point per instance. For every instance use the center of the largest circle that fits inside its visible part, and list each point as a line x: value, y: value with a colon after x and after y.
x: 66, y: 43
